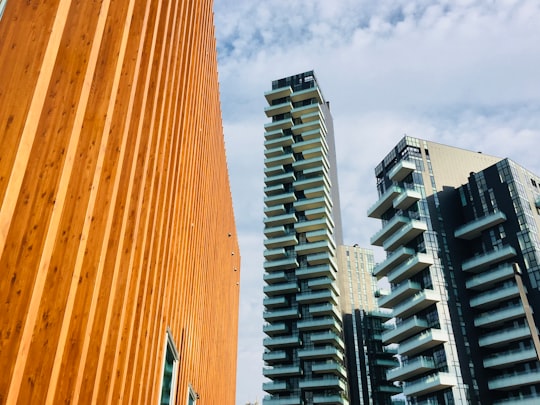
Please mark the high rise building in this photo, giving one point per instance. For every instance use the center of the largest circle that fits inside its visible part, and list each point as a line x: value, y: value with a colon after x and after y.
x: 363, y: 326
x: 461, y: 230
x: 118, y: 248
x: 304, y: 349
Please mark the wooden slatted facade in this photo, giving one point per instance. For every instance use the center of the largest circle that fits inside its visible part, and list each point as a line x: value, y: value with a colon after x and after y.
x: 116, y: 219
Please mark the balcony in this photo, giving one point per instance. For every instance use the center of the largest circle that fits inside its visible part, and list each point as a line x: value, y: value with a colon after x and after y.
x: 481, y: 262
x: 297, y: 112
x: 422, y: 342
x: 329, y: 367
x: 315, y: 247
x: 282, y: 371
x: 316, y: 224
x: 283, y: 314
x: 399, y: 293
x: 280, y: 141
x: 279, y: 124
x: 415, y: 366
x: 314, y: 271
x: 328, y: 337
x: 404, y: 330
x: 323, y: 283
x: 272, y: 329
x: 312, y: 92
x: 409, y: 268
x: 485, y: 280
x: 310, y: 144
x: 316, y: 162
x: 274, y: 302
x: 275, y: 356
x: 280, y: 160
x: 307, y: 126
x: 324, y: 309
x: 503, y: 337
x: 401, y: 170
x: 384, y: 203
x: 475, y: 228
x: 277, y: 289
x: 416, y: 303
x: 328, y: 352
x: 317, y: 297
x: 388, y: 229
x: 315, y: 192
x: 318, y: 235
x: 277, y: 277
x: 278, y: 400
x: 405, y: 234
x: 281, y: 241
x: 311, y: 182
x: 284, y: 198
x: 329, y: 399
x: 283, y: 264
x: 510, y: 358
x: 275, y: 254
x: 407, y: 198
x: 310, y: 203
x: 392, y: 261
x: 272, y: 387
x: 274, y: 190
x: 494, y: 297
x: 279, y: 178
x: 320, y: 323
x: 322, y: 258
x: 434, y: 382
x: 289, y: 218
x: 388, y: 363
x: 513, y: 381
x: 323, y: 383
x: 283, y: 341
x: 273, y: 134
x: 278, y: 93
x: 499, y: 316
x: 276, y: 109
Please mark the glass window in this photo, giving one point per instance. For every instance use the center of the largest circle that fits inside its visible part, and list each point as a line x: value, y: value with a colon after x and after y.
x: 170, y: 371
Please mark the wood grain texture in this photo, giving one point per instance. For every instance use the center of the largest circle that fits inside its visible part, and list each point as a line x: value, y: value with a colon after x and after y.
x: 116, y: 220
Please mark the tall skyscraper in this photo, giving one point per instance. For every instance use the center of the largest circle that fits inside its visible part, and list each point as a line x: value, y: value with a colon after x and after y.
x: 363, y: 325
x: 118, y: 247
x: 461, y: 230
x: 304, y: 349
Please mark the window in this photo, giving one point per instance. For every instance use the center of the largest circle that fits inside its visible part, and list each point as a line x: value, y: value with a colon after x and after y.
x: 170, y: 371
x: 192, y: 396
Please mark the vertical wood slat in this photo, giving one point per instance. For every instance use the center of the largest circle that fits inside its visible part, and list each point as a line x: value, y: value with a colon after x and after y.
x: 128, y: 212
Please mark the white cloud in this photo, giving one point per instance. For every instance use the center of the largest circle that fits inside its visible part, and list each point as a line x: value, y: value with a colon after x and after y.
x: 459, y: 72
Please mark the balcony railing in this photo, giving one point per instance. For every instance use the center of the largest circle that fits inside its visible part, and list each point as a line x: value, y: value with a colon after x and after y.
x: 406, y: 329
x: 485, y: 280
x: 494, y: 297
x: 401, y: 170
x: 329, y: 352
x: 282, y: 341
x: 407, y: 198
x: 422, y: 342
x: 407, y: 233
x: 510, y: 358
x: 399, y: 293
x: 384, y: 202
x: 498, y: 316
x: 276, y: 109
x: 388, y: 229
x: 392, y: 261
x: 503, y: 337
x: 409, y: 268
x: 280, y: 92
x: 432, y: 383
x: 475, y: 228
x: 415, y: 366
x: 481, y: 262
x: 512, y: 381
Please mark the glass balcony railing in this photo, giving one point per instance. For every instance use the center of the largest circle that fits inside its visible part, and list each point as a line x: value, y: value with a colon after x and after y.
x: 414, y: 367
x: 276, y: 109
x: 475, y: 228
x: 317, y: 297
x: 401, y: 170
x: 494, y: 297
x: 329, y: 399
x: 289, y: 218
x: 282, y: 371
x: 278, y: 400
x: 318, y: 161
x: 330, y: 352
x: 485, y: 280
x: 281, y: 241
x: 309, y: 144
x: 510, y: 358
x: 384, y: 203
x: 314, y: 271
x: 281, y: 341
x: 277, y: 93
x: 481, y: 262
x: 275, y: 356
x: 323, y: 383
x: 423, y: 341
x: 279, y: 178
x: 410, y: 267
x: 416, y: 303
x: 285, y: 288
x: 275, y: 277
x: 503, y: 337
x: 311, y: 203
x: 406, y: 199
x: 512, y: 381
x: 297, y: 112
x: 404, y: 235
x: 315, y: 247
x: 320, y: 323
x: 273, y: 328
x: 272, y: 134
x: 283, y: 198
x: 399, y: 293
x: 306, y: 126
x: 274, y: 302
x: 316, y: 224
x: 279, y: 124
x: 388, y: 229
x: 392, y: 261
x: 282, y: 264
x: 493, y: 318
x: 275, y: 386
x: 434, y: 382
x: 312, y: 92
x: 280, y: 160
x: 280, y: 141
x: 328, y: 337
x: 311, y: 182
x: 404, y: 330
x: 281, y: 314
x: 329, y: 367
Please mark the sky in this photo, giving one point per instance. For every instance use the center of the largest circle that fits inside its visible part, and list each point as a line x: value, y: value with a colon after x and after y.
x: 464, y: 73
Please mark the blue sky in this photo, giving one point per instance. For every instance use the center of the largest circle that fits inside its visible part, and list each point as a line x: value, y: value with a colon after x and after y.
x: 459, y: 72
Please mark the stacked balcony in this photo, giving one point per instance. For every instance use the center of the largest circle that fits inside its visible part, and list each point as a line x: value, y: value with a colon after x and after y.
x: 475, y: 228
x: 414, y: 367
x: 384, y: 203
x: 492, y: 298
x: 281, y: 341
x: 497, y: 317
x: 329, y: 367
x: 388, y: 229
x: 313, y: 297
x: 404, y: 330
x: 399, y: 293
x: 275, y: 356
x: 282, y: 400
x: 487, y: 279
x: 280, y: 92
x: 393, y: 260
x: 272, y: 329
x: 275, y: 386
x: 432, y: 383
x: 416, y: 303
x: 512, y: 381
x: 284, y: 371
x: 410, y: 267
x: 422, y: 342
x: 323, y: 323
x: 326, y: 352
x: 281, y: 288
x: 276, y: 109
x: 297, y: 112
x: 405, y: 234
x: 330, y: 399
x: 406, y: 199
x: 510, y: 358
x: 504, y: 337
x: 401, y: 170
x: 479, y: 263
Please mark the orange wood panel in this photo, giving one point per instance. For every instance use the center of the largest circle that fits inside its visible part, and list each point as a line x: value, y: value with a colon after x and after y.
x: 116, y: 220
